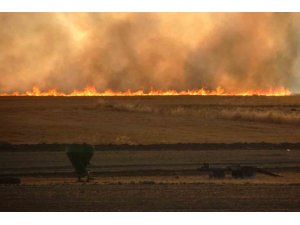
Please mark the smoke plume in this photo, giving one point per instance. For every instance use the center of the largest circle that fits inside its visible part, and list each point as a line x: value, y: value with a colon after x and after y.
x: 120, y: 51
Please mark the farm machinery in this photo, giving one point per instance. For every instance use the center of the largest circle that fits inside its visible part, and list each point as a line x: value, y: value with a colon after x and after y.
x: 236, y: 171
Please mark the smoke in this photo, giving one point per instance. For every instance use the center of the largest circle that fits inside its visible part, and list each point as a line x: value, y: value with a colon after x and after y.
x: 120, y: 51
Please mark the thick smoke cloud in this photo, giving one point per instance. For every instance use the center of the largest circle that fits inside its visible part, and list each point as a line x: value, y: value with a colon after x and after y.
x: 120, y: 51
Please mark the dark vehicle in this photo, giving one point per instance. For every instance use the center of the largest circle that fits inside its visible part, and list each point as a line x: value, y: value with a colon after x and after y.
x: 237, y: 171
x: 241, y: 172
x: 213, y: 172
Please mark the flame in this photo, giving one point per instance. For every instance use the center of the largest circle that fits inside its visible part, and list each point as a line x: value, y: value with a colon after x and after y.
x: 92, y: 91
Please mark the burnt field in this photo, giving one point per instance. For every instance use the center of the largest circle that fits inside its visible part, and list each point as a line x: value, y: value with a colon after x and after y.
x: 148, y: 151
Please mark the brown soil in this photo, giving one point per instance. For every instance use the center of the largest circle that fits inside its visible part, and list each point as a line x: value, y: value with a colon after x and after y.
x: 151, y: 197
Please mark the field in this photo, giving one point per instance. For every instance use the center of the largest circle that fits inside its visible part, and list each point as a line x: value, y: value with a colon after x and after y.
x: 149, y: 151
x: 146, y: 120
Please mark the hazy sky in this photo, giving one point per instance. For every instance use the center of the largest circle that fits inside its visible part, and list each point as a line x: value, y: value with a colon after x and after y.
x: 120, y: 51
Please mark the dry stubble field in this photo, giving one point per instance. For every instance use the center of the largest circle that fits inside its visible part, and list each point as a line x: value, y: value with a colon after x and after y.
x: 146, y: 120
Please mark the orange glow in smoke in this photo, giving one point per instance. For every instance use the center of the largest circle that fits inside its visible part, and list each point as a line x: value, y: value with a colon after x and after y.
x: 92, y: 91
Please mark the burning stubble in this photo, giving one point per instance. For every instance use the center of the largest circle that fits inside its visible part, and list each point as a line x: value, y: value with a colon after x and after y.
x: 149, y: 51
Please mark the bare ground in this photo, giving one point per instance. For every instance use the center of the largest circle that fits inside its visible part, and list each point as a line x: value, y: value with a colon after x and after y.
x: 151, y: 197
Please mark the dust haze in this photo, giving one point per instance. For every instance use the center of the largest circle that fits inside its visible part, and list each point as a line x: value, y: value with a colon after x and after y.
x: 120, y: 51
